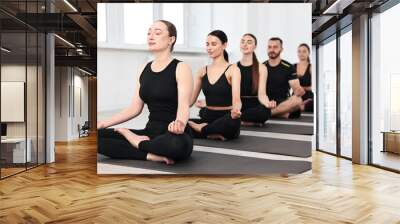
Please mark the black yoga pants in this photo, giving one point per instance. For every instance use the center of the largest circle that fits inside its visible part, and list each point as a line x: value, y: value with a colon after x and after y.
x: 309, y: 107
x: 254, y: 111
x: 161, y: 143
x: 219, y: 122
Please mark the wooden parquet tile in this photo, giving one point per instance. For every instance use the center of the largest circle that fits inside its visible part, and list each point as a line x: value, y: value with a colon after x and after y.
x: 70, y: 191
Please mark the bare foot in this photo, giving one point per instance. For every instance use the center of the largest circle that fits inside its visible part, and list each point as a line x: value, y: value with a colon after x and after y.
x: 302, y: 107
x: 196, y: 127
x: 216, y: 137
x: 140, y: 138
x: 156, y: 158
x: 245, y: 123
x: 133, y: 138
x: 284, y: 175
x: 306, y: 101
x: 285, y: 115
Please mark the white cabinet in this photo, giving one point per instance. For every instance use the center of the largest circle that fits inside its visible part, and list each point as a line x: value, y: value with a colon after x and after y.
x: 17, y: 148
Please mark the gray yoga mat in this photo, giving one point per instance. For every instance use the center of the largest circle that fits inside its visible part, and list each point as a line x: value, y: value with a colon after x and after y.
x: 282, y: 128
x: 261, y: 144
x: 300, y: 119
x: 214, y: 163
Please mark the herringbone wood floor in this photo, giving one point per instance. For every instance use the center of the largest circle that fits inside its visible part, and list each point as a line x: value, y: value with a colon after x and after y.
x: 70, y: 191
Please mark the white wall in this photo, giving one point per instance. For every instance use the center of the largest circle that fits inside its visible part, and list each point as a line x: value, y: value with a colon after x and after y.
x: 67, y: 79
x: 118, y: 62
x: 79, y: 117
x: 61, y: 103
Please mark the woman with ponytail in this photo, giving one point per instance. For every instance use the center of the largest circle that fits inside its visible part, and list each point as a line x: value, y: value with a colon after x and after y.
x: 303, y: 71
x: 256, y: 107
x: 220, y: 83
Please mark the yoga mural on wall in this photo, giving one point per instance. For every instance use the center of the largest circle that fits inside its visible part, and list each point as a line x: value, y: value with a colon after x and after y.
x: 205, y: 88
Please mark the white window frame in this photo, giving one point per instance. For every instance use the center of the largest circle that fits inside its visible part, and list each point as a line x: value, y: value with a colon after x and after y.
x: 185, y: 24
x: 106, y: 25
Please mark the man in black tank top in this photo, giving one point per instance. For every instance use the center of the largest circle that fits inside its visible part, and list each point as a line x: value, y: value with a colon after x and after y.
x: 281, y: 78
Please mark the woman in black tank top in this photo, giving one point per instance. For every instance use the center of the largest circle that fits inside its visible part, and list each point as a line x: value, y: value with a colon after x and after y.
x: 220, y: 82
x: 163, y: 84
x: 256, y: 105
x: 303, y: 70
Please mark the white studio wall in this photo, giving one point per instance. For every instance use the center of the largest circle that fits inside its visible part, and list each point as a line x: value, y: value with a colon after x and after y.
x: 290, y: 24
x: 122, y: 77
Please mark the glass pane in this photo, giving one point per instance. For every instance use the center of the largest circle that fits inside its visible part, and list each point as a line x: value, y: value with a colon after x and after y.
x: 101, y: 22
x: 346, y: 94
x: 137, y: 19
x: 327, y: 97
x: 31, y: 99
x: 173, y: 12
x: 13, y: 87
x: 385, y: 86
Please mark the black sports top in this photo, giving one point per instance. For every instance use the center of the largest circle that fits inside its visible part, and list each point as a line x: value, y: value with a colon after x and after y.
x: 305, y: 80
x: 246, y: 80
x: 219, y: 93
x: 278, y: 79
x: 159, y: 91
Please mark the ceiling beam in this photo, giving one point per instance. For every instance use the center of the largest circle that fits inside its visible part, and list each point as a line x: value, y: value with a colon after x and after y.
x: 337, y: 7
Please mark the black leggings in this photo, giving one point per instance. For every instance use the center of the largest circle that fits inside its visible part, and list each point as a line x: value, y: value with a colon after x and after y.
x: 308, y: 107
x: 161, y: 143
x: 254, y: 111
x: 218, y: 122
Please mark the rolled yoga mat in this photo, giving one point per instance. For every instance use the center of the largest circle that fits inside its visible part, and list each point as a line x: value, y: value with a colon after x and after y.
x: 281, y: 128
x: 261, y: 144
x: 213, y: 163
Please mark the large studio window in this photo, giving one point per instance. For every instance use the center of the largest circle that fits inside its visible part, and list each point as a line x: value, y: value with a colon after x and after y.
x: 174, y: 13
x: 327, y: 96
x: 101, y: 22
x: 137, y: 19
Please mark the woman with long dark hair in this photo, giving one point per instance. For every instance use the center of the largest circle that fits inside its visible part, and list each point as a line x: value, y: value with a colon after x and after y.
x: 165, y: 85
x: 303, y: 71
x: 256, y: 105
x: 220, y: 83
